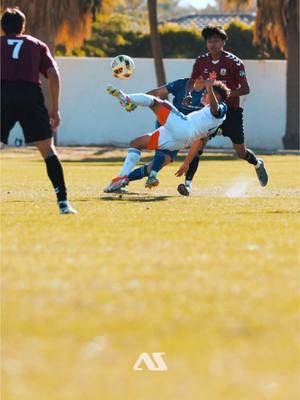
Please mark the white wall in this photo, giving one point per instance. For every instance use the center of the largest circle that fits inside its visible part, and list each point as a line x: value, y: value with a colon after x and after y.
x: 91, y: 116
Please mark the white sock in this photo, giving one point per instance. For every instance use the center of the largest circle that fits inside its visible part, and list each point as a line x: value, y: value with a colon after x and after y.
x: 133, y: 157
x: 259, y: 162
x: 141, y: 99
x: 188, y: 183
x: 153, y: 174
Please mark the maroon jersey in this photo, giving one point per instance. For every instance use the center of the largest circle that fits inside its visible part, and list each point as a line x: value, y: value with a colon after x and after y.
x: 229, y: 69
x: 23, y: 57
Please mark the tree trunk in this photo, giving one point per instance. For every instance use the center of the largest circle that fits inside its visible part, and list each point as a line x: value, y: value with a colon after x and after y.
x: 155, y: 43
x: 291, y: 137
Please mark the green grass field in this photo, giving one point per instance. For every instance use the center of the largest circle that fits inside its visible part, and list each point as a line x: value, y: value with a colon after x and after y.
x: 210, y: 280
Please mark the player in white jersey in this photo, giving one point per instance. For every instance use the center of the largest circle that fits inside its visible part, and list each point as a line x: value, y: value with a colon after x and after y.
x: 177, y: 130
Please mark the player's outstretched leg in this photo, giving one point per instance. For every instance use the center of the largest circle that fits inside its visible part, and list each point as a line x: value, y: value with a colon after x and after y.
x: 122, y: 97
x: 133, y: 100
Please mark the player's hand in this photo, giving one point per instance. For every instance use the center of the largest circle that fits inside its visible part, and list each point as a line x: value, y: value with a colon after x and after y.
x: 183, y: 169
x: 211, y: 80
x: 54, y: 119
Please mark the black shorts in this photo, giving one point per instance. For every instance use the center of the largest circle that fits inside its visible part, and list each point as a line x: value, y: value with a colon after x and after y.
x: 23, y: 102
x: 233, y: 125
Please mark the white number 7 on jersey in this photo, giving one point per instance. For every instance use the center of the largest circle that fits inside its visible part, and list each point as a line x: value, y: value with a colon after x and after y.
x: 18, y: 44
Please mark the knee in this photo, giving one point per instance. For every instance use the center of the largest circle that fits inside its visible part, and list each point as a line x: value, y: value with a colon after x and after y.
x: 133, y: 143
x: 46, y: 150
x: 136, y: 144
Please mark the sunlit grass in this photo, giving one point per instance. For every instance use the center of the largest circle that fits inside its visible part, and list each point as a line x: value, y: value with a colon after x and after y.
x: 210, y: 280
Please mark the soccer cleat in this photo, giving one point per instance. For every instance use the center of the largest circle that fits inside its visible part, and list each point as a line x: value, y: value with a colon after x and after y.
x: 183, y: 189
x: 121, y: 96
x: 123, y: 99
x: 130, y: 107
x: 151, y: 182
x: 116, y: 184
x: 113, y: 91
x: 261, y: 172
x: 66, y: 208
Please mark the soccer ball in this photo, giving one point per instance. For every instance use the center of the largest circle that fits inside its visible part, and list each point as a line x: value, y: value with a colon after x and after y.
x: 122, y: 66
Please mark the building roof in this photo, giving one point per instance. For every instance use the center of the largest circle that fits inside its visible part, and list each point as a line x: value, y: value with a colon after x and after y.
x: 202, y: 20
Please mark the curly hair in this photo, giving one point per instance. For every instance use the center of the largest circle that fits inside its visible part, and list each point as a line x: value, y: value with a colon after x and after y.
x: 221, y: 89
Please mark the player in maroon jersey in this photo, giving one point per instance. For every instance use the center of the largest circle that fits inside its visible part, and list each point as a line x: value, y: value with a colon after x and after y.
x: 23, y: 57
x: 230, y: 69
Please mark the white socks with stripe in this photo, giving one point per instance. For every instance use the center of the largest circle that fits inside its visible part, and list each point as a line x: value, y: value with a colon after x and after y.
x: 133, y: 157
x: 141, y: 99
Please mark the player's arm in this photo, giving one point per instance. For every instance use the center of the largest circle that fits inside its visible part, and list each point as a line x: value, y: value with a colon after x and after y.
x: 241, y: 79
x: 54, y: 89
x: 194, y: 149
x: 193, y: 82
x: 241, y: 91
x: 161, y: 92
x: 213, y: 102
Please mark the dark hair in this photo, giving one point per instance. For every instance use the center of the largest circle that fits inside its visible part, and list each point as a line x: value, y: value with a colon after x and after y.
x: 12, y: 21
x: 210, y: 30
x: 221, y: 89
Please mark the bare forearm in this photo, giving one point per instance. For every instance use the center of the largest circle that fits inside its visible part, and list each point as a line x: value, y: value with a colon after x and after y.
x: 195, y: 147
x: 242, y: 91
x: 213, y: 102
x: 161, y: 92
x: 54, y: 88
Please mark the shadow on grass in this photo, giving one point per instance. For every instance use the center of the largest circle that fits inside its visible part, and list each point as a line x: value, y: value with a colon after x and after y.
x: 146, y: 159
x: 270, y: 212
x: 133, y: 197
x: 17, y: 201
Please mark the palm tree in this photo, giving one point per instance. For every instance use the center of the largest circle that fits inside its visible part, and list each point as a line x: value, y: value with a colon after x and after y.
x: 67, y: 22
x: 155, y: 43
x: 278, y: 21
x: 229, y: 5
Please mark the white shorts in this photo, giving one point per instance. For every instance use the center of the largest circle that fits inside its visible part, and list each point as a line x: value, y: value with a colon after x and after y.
x: 174, y: 133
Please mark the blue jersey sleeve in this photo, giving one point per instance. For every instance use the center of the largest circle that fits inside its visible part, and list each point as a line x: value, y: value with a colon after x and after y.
x: 172, y: 87
x: 222, y: 110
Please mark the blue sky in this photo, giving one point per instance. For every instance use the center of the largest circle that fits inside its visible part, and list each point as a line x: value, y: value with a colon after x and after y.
x: 197, y: 3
